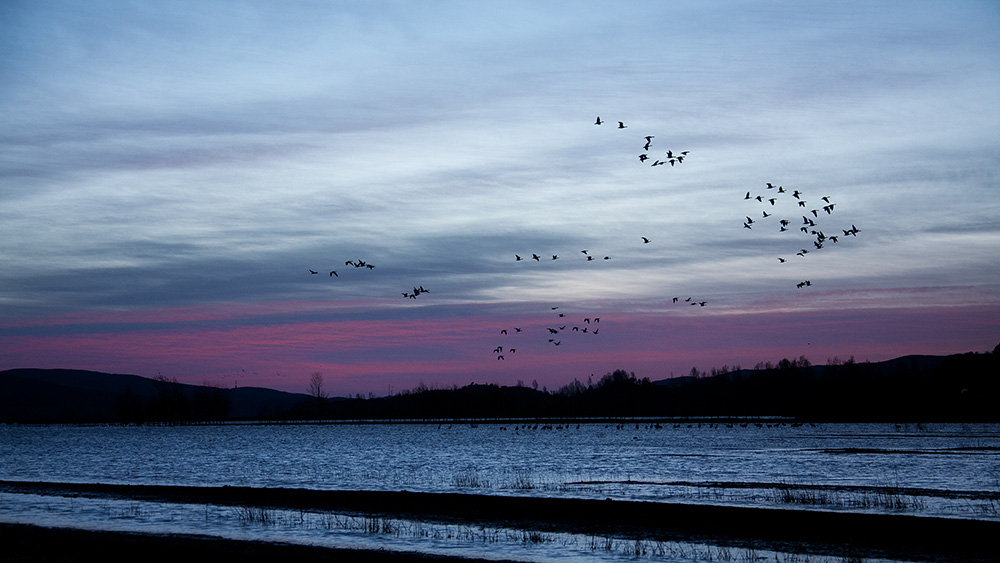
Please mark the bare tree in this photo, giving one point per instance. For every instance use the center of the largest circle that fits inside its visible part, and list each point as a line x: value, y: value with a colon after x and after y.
x: 316, y: 386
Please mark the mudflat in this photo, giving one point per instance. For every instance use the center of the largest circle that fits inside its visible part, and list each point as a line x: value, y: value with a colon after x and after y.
x: 915, y: 538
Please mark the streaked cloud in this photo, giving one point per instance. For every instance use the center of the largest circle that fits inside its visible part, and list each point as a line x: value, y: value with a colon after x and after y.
x: 201, y: 158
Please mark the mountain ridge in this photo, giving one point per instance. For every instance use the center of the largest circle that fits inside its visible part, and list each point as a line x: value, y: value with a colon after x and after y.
x: 919, y: 387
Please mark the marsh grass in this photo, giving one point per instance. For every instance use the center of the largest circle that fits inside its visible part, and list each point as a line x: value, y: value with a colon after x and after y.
x: 255, y: 515
x: 603, y: 546
x: 880, y: 497
x: 515, y: 478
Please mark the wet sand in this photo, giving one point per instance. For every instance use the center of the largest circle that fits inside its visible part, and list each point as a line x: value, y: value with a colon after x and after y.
x: 837, y: 534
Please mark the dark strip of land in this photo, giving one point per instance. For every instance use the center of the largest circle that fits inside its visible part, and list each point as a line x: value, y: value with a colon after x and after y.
x: 24, y: 543
x: 912, y: 538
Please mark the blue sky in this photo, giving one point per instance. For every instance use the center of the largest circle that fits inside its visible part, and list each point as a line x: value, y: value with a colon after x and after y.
x: 173, y: 170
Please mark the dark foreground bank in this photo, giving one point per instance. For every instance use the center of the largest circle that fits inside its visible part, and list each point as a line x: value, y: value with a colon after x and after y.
x: 22, y: 542
x: 849, y: 535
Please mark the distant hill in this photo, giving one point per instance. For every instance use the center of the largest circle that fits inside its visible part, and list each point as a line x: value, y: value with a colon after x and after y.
x: 67, y: 395
x: 960, y: 387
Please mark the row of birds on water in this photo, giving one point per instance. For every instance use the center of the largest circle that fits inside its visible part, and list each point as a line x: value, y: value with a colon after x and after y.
x: 650, y: 425
x: 772, y: 195
x: 671, y: 157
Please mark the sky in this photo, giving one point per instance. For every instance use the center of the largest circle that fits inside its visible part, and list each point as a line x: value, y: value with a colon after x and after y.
x: 170, y: 172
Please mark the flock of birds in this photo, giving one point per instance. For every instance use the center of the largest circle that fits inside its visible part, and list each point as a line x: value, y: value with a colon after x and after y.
x: 367, y: 265
x: 556, y: 331
x: 561, y: 328
x: 355, y: 263
x: 671, y: 157
x: 811, y: 215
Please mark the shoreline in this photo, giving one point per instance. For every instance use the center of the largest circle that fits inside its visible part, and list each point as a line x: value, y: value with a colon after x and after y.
x: 838, y: 534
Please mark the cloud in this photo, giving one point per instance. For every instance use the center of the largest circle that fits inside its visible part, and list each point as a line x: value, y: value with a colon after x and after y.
x: 205, y: 156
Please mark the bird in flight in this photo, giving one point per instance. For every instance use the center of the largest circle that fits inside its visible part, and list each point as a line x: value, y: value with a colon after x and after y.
x: 598, y: 122
x: 334, y: 273
x: 645, y: 240
x: 622, y: 125
x: 311, y: 271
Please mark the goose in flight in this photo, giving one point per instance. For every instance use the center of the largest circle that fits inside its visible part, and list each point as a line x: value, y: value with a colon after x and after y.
x: 517, y: 258
x: 334, y: 273
x: 311, y: 271
x: 645, y: 240
x: 622, y: 125
x: 649, y: 138
x: 598, y: 122
x: 535, y: 257
x: 643, y: 157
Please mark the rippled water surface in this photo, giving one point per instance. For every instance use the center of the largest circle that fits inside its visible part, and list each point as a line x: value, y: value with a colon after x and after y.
x: 935, y: 469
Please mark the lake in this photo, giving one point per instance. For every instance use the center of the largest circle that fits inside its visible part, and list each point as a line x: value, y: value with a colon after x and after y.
x: 950, y: 470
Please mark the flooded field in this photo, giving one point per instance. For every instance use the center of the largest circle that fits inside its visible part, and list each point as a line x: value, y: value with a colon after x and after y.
x: 944, y: 470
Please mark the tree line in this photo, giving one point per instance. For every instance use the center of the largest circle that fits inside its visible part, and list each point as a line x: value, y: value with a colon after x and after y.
x: 962, y: 387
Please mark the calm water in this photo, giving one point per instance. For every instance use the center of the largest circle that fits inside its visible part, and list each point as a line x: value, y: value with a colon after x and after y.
x: 945, y: 470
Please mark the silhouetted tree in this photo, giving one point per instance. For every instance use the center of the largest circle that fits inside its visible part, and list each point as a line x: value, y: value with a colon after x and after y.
x: 315, y: 389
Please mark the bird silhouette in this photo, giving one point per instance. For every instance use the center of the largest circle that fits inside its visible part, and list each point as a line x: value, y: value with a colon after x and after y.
x: 598, y: 122
x: 334, y: 273
x: 311, y: 271
x: 645, y: 240
x: 622, y: 125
